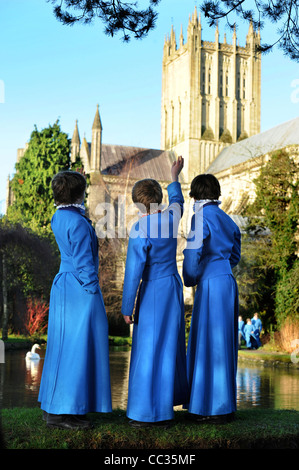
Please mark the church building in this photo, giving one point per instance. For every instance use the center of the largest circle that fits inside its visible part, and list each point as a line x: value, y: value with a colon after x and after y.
x: 210, y: 114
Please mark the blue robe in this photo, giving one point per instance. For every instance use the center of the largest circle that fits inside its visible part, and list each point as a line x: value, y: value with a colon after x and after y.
x: 213, y: 340
x: 157, y: 378
x: 76, y: 375
x: 249, y: 335
x: 257, y: 326
x: 241, y: 325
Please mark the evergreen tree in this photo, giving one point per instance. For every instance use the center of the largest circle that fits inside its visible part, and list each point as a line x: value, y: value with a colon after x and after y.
x: 277, y: 205
x: 47, y: 153
x: 130, y: 19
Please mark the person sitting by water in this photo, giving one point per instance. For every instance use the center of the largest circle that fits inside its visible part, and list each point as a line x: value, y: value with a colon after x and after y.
x: 241, y: 333
x: 76, y: 372
x: 158, y: 376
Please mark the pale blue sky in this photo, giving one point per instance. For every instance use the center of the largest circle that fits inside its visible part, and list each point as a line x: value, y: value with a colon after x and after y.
x: 52, y: 71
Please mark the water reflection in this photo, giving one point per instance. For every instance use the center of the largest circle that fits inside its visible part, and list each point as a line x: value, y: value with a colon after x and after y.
x: 264, y: 387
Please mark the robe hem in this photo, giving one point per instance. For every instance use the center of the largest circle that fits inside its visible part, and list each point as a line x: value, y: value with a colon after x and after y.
x: 58, y: 410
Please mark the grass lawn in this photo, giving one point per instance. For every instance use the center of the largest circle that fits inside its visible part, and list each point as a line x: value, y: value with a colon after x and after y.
x: 252, y: 429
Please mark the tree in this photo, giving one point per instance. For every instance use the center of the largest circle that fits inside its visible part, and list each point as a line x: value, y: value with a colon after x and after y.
x: 116, y: 15
x: 47, y: 153
x: 126, y: 17
x: 28, y: 264
x: 283, y: 13
x: 277, y: 205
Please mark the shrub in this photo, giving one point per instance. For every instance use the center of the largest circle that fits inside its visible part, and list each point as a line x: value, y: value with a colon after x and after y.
x: 36, y: 317
x: 288, y: 332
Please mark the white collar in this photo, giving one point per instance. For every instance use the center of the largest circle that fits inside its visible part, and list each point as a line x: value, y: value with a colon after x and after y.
x: 199, y: 204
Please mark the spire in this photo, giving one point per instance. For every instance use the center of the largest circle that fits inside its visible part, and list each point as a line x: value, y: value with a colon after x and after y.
x: 97, y: 125
x: 195, y: 16
x: 172, y: 39
x: 75, y: 143
x: 76, y: 137
x: 234, y: 37
x: 96, y: 142
x: 181, y: 37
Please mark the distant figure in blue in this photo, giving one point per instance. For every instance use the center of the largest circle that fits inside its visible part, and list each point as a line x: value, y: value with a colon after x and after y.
x: 241, y: 325
x: 158, y: 378
x: 257, y: 325
x: 76, y: 375
x: 249, y: 335
x: 213, y: 340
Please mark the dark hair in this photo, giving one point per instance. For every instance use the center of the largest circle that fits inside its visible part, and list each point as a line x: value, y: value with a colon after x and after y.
x: 68, y: 187
x: 205, y: 186
x: 147, y: 192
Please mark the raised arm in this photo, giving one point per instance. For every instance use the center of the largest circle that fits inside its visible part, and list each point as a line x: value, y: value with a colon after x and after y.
x: 175, y: 195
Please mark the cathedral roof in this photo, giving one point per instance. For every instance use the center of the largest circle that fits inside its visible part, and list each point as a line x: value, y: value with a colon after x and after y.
x: 274, y: 139
x: 136, y: 162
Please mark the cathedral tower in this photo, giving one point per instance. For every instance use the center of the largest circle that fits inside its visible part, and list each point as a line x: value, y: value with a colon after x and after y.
x: 210, y: 95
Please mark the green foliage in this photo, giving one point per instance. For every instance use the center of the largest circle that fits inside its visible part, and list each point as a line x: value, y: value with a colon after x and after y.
x: 47, y: 153
x: 28, y: 263
x: 256, y: 280
x: 277, y: 206
x: 287, y: 294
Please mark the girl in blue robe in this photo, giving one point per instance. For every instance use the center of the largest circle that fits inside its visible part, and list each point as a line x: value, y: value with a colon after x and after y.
x: 157, y: 378
x: 76, y: 375
x: 241, y: 325
x: 213, y: 340
x: 249, y: 335
x: 257, y: 325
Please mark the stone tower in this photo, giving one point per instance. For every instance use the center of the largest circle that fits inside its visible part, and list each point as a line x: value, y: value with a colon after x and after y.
x: 211, y: 94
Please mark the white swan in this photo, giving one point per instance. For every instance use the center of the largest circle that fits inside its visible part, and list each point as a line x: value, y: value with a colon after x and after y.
x: 32, y: 354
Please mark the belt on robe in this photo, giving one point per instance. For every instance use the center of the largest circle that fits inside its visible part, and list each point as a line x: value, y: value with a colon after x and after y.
x: 159, y: 270
x: 66, y: 266
x: 215, y: 268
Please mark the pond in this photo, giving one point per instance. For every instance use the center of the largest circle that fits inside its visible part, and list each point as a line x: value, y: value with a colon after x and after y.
x: 257, y: 386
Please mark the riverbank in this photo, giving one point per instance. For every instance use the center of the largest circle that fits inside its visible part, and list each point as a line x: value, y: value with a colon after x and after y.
x: 252, y: 429
x: 263, y: 356
x: 23, y: 342
x: 268, y: 358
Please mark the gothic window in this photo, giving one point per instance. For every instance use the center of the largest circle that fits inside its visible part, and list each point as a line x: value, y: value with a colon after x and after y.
x: 165, y: 129
x: 226, y: 83
x: 180, y: 117
x: 172, y: 123
x: 221, y: 89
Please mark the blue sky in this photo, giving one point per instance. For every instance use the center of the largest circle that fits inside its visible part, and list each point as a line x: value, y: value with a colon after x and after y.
x: 50, y: 71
